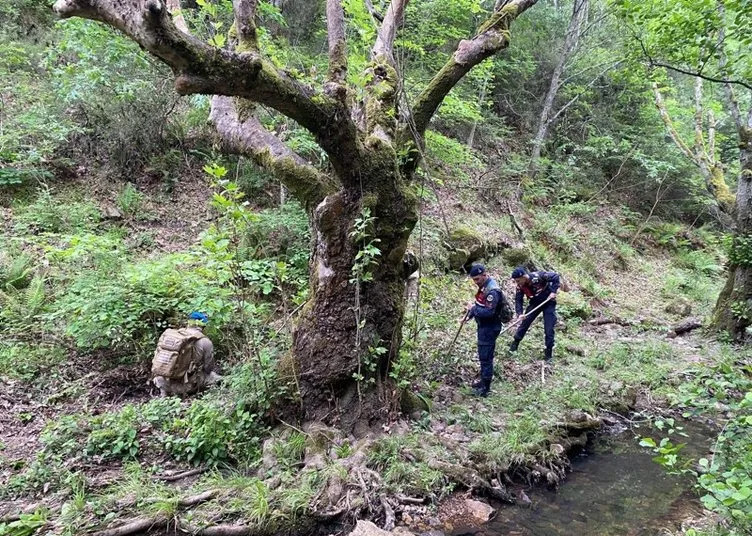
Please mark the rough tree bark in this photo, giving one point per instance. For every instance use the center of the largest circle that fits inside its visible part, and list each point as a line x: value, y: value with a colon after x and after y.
x: 703, y: 152
x: 366, y: 172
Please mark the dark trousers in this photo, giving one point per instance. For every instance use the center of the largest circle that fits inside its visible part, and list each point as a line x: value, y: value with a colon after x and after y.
x: 549, y: 321
x: 486, y: 348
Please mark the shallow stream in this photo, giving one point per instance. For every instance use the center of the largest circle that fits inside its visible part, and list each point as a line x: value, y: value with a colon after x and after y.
x: 614, y: 488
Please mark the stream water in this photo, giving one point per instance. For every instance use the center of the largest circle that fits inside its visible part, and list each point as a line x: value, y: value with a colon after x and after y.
x: 614, y: 488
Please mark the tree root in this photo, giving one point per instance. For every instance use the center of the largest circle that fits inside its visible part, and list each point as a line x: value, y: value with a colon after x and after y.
x: 181, y: 476
x: 389, y: 518
x: 140, y: 524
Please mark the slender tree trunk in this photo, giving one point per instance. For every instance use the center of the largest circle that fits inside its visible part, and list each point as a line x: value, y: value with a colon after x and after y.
x: 579, y: 10
x: 481, y: 100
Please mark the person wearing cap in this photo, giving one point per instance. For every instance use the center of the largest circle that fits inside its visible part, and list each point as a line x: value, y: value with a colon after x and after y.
x: 488, y: 310
x: 203, y: 349
x: 538, y: 287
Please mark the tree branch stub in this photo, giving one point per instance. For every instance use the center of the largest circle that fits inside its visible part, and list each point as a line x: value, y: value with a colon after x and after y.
x: 335, y: 22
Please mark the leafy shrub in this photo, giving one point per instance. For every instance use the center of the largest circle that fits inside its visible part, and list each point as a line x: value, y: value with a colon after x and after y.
x: 20, y: 308
x: 116, y: 95
x: 211, y: 434
x: 50, y: 215
x: 130, y: 201
x: 15, y: 270
x: 24, y: 361
x: 64, y: 435
x: 698, y: 261
x: 114, y: 435
x: 120, y: 309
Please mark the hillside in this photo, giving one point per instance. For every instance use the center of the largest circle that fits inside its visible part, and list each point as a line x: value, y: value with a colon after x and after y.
x: 333, y: 267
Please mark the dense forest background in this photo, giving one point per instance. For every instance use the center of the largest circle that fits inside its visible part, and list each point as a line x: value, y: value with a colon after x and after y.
x: 589, y: 146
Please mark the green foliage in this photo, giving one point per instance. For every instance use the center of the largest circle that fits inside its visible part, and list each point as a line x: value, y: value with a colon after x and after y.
x: 457, y: 156
x: 114, y: 435
x: 19, y: 308
x: 15, y: 270
x: 106, y: 308
x: 25, y: 362
x: 48, y: 214
x: 368, y: 251
x: 739, y: 250
x: 212, y: 434
x: 724, y: 479
x: 26, y: 525
x: 130, y: 201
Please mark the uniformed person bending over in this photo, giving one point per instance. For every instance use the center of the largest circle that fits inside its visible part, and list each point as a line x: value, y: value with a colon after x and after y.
x: 488, y: 310
x: 537, y: 287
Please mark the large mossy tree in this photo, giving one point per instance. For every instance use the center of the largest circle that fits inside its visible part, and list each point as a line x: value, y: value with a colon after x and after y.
x: 362, y: 207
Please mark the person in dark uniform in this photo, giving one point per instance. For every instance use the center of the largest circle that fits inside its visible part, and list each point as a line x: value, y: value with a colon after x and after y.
x: 537, y: 287
x: 489, y: 310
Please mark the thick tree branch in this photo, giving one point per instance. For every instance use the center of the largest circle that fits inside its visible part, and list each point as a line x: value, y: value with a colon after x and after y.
x: 247, y: 136
x: 335, y: 24
x: 245, y: 24
x: 492, y: 36
x: 384, y: 46
x: 383, y: 78
x: 201, y: 68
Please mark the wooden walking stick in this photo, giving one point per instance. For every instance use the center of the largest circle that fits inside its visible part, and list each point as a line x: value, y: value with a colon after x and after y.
x: 459, y: 329
x: 522, y: 317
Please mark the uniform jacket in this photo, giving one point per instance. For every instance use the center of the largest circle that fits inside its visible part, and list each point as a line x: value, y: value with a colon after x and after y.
x: 537, y: 289
x: 488, y: 305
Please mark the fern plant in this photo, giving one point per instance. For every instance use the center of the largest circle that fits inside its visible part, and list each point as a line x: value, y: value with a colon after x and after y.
x: 20, y: 306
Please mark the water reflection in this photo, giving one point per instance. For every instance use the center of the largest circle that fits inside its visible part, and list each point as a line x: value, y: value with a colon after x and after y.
x: 615, y: 489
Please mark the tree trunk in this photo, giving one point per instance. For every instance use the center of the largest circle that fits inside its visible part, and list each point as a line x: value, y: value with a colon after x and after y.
x: 733, y: 311
x: 352, y: 329
x: 579, y: 9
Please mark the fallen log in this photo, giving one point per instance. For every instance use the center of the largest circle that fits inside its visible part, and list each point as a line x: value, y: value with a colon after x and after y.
x: 684, y: 326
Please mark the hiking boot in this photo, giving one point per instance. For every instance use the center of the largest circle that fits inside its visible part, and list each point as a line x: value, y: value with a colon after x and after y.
x: 477, y: 384
x: 513, y: 347
x: 484, y: 387
x: 548, y: 355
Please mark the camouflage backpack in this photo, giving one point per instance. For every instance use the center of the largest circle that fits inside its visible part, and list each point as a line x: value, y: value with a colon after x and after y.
x: 174, y: 354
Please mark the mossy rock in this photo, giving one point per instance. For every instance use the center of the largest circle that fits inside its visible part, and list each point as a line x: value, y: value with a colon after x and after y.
x: 465, y: 247
x: 518, y: 257
x: 680, y: 306
x: 410, y: 403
